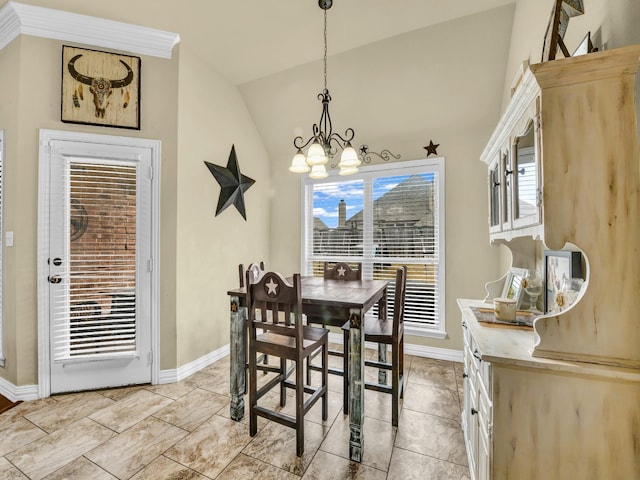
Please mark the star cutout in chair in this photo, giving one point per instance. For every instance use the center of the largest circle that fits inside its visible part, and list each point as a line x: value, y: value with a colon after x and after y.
x: 272, y: 288
x: 431, y: 148
x: 342, y: 271
x: 232, y: 184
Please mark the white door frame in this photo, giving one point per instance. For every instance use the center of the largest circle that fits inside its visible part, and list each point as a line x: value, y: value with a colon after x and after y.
x: 46, y: 136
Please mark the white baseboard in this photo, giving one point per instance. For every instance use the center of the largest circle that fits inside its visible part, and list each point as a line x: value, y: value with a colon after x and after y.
x: 412, y: 349
x: 433, y: 352
x: 30, y: 392
x: 176, y: 375
x: 14, y: 393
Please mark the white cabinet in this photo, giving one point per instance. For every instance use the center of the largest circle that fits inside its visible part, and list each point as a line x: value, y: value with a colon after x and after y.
x: 513, y: 160
x: 476, y: 412
x: 526, y: 418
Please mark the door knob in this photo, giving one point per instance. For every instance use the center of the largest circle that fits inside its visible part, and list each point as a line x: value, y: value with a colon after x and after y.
x: 55, y: 279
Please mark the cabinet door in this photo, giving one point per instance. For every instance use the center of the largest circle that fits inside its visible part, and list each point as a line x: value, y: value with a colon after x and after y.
x: 484, y: 455
x: 495, y: 197
x: 526, y: 204
x: 506, y: 190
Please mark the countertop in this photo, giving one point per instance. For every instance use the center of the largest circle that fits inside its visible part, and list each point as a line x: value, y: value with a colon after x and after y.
x: 512, y: 345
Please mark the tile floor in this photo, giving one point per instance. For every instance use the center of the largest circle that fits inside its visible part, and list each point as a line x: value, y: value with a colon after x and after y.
x: 183, y: 431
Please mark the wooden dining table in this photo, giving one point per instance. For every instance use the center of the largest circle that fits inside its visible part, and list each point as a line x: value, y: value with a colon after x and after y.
x: 337, y: 302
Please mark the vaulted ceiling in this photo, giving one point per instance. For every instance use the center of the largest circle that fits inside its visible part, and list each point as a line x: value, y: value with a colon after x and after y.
x: 249, y: 39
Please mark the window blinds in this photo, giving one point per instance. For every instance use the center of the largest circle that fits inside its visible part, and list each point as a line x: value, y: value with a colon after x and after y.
x: 383, y: 219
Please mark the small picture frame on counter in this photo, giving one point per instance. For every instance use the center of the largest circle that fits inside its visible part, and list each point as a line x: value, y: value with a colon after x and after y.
x: 513, y: 285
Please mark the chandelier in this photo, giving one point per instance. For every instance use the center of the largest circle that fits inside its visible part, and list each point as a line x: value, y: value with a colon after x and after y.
x: 324, y: 142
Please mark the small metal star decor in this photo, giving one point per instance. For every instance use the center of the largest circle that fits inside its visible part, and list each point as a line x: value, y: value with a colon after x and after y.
x: 232, y: 184
x: 431, y: 148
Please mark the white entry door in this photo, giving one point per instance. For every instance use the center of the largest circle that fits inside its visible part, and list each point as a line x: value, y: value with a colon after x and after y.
x: 99, y: 265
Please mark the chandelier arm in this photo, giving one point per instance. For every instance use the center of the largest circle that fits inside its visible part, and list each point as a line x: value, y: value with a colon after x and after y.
x: 300, y: 139
x: 333, y: 141
x: 349, y: 133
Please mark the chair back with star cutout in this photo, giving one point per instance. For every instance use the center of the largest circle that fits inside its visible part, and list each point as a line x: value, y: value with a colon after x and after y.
x: 256, y: 270
x: 277, y: 299
x: 342, y: 271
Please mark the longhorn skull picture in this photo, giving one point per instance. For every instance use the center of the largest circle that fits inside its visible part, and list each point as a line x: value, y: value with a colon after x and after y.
x: 101, y: 88
x: 113, y: 82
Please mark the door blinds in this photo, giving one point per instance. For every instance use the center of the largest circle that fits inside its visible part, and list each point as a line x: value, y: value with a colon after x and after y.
x: 98, y: 315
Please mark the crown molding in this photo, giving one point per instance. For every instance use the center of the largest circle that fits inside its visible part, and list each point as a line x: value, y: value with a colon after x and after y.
x: 21, y: 19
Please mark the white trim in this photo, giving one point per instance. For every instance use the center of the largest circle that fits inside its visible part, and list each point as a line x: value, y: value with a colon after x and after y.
x: 419, y: 331
x: 412, y: 349
x: 179, y: 374
x: 46, y: 136
x: 520, y: 102
x: 18, y: 18
x: 14, y: 394
x: 433, y: 352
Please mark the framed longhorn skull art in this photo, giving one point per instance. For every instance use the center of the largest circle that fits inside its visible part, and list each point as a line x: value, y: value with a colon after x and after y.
x: 100, y: 88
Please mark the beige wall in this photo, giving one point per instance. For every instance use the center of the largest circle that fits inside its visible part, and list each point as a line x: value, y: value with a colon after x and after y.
x: 199, y: 252
x: 212, y: 118
x: 442, y: 83
x: 36, y: 98
x: 9, y: 90
x: 446, y: 83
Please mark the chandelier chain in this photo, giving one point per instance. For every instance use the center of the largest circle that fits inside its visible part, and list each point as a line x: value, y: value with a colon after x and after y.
x: 325, y: 49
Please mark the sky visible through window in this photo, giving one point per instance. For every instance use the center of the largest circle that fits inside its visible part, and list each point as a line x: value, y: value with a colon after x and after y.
x: 326, y: 196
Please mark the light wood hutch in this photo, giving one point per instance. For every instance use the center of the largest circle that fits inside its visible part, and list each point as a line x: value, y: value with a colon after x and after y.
x: 562, y: 400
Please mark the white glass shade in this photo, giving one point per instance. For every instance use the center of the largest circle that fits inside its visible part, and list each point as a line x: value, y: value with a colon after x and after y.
x: 318, y: 171
x: 299, y: 163
x: 316, y: 155
x: 349, y: 158
x: 348, y: 170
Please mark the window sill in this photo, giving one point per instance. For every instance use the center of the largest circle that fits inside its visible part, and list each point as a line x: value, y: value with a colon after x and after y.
x: 423, y: 332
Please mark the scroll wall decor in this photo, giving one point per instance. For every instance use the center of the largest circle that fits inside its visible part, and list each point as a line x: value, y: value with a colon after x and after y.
x: 100, y: 88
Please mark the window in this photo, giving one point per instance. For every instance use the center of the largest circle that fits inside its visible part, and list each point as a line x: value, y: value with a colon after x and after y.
x: 384, y: 216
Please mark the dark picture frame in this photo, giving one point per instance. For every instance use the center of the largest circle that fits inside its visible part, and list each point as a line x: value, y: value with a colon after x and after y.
x: 558, y: 265
x: 100, y: 88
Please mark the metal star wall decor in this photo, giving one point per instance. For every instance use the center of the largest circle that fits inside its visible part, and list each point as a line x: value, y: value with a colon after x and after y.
x: 431, y: 148
x: 232, y: 184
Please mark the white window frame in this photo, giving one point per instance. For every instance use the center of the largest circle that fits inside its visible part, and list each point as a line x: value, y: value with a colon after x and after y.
x: 434, y: 165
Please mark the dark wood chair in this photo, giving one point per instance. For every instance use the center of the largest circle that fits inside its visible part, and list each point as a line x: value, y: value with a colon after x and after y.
x: 256, y: 270
x: 386, y: 332
x: 284, y: 336
x: 348, y: 273
x: 342, y: 271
